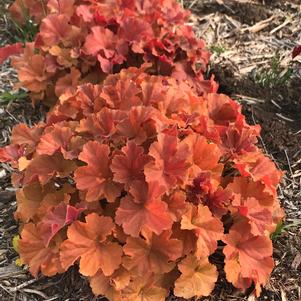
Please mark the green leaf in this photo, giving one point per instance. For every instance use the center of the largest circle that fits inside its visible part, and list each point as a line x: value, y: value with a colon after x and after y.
x: 12, y: 96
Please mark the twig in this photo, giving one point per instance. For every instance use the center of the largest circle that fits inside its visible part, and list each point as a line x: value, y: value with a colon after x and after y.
x: 280, y: 26
x: 285, y: 118
x: 32, y: 291
x: 275, y: 104
x: 289, y: 165
x: 221, y: 2
x: 7, y: 290
x: 24, y: 284
x: 259, y: 26
x: 192, y: 4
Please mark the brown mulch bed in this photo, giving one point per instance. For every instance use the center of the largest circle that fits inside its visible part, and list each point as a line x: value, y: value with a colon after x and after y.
x: 244, y: 36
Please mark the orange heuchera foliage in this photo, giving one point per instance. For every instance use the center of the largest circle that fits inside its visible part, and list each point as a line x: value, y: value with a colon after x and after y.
x: 82, y: 41
x: 138, y: 181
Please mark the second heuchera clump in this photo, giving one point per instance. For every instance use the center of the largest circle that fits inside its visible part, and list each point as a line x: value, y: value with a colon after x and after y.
x: 83, y: 41
x: 138, y: 181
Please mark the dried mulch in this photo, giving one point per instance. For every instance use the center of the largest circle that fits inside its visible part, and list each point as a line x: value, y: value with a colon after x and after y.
x: 245, y: 36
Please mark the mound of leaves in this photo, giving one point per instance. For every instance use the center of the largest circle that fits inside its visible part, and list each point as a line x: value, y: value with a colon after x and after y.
x: 82, y: 41
x: 138, y: 181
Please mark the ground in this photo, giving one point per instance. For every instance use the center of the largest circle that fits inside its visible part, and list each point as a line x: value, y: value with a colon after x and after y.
x: 251, y: 43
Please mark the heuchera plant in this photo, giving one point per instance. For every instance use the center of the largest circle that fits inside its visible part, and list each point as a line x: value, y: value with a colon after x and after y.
x: 83, y: 41
x: 138, y: 181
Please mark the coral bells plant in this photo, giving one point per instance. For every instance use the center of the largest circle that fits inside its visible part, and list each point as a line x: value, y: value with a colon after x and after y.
x: 82, y: 41
x: 138, y: 181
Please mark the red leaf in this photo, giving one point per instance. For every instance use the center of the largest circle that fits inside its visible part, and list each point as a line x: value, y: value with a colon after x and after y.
x: 9, y: 50
x: 56, y: 219
x: 296, y: 51
x: 11, y: 153
x: 222, y: 109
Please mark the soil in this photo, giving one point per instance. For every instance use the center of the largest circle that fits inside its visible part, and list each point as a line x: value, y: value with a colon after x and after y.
x: 248, y: 34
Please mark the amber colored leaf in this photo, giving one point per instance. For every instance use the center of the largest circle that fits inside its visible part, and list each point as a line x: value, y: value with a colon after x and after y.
x: 108, y: 286
x: 17, y: 11
x: 145, y: 210
x: 65, y: 7
x: 54, y: 198
x: 187, y: 237
x: 239, y: 240
x: 102, y: 285
x: 29, y: 199
x: 139, y: 125
x: 103, y: 124
x: 265, y: 170
x: 23, y: 135
x: 87, y: 241
x: 177, y: 205
x: 144, y: 289
x: 171, y: 161
x: 56, y: 138
x: 197, y: 279
x: 45, y: 167
x: 9, y: 50
x: 128, y: 166
x: 155, y: 253
x: 253, y: 253
x: 100, y: 39
x: 96, y: 177
x: 233, y: 272
x: 259, y: 217
x: 259, y: 168
x: 55, y: 28
x: 32, y: 70
x: 152, y: 91
x: 122, y: 94
x: 207, y: 228
x: 36, y: 254
x: 21, y: 10
x: 245, y: 188
x: 205, y: 155
x: 67, y: 83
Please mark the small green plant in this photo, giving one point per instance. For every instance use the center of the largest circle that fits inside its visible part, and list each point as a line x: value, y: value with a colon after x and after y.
x: 218, y: 49
x: 12, y: 96
x: 21, y: 30
x: 273, y: 75
x: 281, y: 228
x: 24, y: 33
